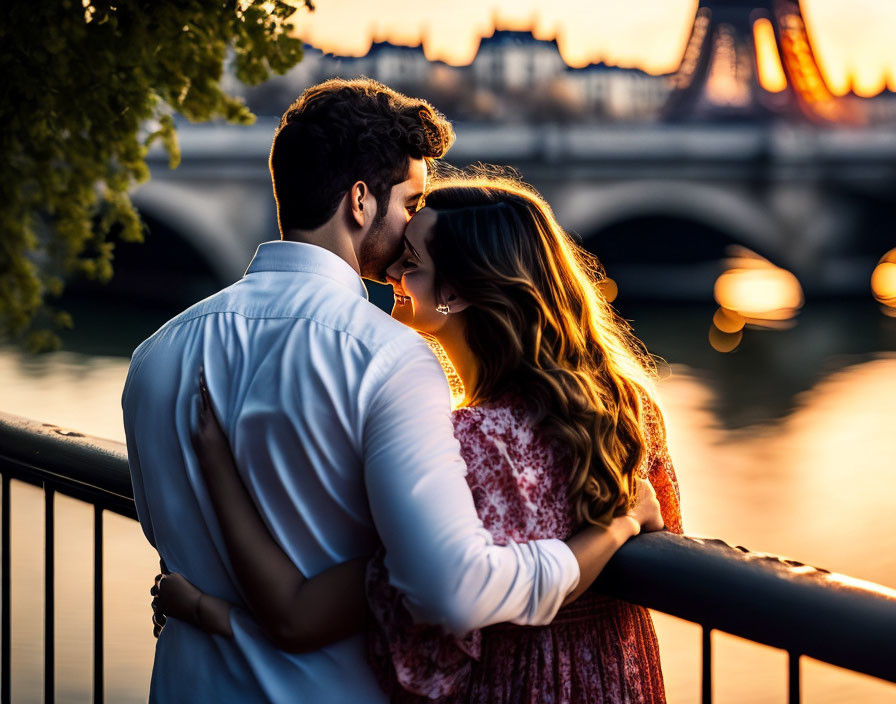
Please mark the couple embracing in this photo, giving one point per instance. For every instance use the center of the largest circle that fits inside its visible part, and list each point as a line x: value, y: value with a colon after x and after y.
x: 331, y: 530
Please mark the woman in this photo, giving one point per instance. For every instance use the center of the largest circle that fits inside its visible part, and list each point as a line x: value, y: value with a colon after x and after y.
x: 558, y: 429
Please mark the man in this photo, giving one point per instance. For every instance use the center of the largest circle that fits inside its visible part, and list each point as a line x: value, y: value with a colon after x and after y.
x: 338, y: 416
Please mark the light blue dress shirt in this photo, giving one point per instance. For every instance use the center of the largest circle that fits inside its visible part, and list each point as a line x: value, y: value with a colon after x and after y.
x: 339, y: 418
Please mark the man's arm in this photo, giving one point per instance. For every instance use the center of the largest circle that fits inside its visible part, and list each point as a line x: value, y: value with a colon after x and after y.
x: 129, y: 408
x: 437, y: 551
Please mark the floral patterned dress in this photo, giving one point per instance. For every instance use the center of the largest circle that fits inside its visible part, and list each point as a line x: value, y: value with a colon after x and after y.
x: 597, y: 649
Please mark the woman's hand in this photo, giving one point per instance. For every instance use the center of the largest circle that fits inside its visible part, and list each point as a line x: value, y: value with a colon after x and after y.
x: 646, y: 510
x: 176, y: 597
x: 209, y: 442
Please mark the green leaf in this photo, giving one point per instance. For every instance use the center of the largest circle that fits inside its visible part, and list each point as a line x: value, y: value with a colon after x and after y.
x: 77, y: 93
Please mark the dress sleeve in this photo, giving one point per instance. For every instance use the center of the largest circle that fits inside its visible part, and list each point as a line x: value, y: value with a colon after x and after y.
x: 411, y: 657
x: 660, y: 471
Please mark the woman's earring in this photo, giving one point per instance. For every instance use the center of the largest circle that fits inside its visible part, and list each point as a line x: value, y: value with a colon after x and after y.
x: 443, y: 308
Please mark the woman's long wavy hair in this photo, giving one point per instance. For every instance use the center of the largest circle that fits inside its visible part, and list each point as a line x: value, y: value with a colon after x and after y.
x: 541, y: 328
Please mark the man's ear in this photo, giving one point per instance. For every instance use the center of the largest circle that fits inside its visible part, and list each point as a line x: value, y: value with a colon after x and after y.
x: 361, y: 204
x: 454, y: 302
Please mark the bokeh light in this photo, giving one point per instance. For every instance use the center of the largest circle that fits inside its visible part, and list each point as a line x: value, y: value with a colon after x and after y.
x: 724, y: 341
x: 752, y: 291
x: 758, y: 290
x: 768, y: 61
x: 609, y: 289
x: 728, y: 321
x: 883, y: 282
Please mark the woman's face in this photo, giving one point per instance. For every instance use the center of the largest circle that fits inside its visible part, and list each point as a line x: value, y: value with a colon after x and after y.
x: 412, y: 277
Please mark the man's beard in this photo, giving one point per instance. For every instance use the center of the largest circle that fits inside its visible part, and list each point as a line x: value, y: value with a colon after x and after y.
x: 375, y: 255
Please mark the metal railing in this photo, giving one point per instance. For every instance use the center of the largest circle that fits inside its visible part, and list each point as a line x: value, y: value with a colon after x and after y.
x: 782, y: 603
x: 69, y: 463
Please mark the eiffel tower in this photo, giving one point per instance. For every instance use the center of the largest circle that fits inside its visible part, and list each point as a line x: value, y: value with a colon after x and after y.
x: 752, y: 60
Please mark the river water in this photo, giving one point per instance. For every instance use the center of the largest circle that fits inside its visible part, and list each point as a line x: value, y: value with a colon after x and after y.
x: 787, y: 445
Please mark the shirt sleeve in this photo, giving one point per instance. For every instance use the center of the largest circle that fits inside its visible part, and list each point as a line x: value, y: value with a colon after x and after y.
x: 128, y: 412
x: 438, y: 554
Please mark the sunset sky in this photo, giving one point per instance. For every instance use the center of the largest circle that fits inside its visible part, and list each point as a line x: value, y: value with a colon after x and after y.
x: 854, y: 40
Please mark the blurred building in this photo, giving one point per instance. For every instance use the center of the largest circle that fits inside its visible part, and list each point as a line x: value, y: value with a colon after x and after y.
x: 514, y: 77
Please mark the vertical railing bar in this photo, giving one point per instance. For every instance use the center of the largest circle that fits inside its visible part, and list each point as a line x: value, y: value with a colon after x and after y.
x: 49, y: 594
x: 5, y: 639
x: 98, y: 693
x: 706, y: 697
x: 793, y: 678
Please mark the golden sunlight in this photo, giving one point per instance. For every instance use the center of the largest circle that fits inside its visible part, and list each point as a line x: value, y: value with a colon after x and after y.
x: 458, y: 392
x: 650, y: 35
x: 851, y: 41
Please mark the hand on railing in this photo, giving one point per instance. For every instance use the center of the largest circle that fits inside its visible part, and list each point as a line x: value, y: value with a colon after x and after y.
x: 646, y: 509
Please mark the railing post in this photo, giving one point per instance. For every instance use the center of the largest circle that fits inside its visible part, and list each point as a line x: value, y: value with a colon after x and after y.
x: 5, y: 640
x: 793, y: 679
x: 98, y: 690
x: 706, y: 697
x: 49, y: 597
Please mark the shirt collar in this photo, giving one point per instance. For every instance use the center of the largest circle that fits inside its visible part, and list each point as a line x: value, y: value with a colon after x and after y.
x: 281, y: 255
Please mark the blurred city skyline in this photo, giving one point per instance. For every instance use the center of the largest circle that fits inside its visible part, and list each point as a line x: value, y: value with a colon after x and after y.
x: 852, y: 41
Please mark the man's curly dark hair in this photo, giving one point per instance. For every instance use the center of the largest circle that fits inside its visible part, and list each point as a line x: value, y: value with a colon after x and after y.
x: 340, y: 132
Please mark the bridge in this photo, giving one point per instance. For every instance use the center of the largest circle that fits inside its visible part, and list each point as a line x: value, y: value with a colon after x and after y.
x: 659, y: 204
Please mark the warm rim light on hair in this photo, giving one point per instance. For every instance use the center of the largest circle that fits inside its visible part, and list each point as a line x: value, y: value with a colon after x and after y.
x: 542, y: 329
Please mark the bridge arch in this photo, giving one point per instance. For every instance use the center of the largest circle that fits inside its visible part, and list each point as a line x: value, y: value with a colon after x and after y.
x: 736, y: 216
x: 198, y: 222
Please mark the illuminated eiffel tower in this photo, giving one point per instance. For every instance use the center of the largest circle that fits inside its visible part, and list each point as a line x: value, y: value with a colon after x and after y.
x: 752, y: 59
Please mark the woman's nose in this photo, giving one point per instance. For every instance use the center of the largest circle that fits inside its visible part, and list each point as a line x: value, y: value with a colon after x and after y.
x: 393, y: 273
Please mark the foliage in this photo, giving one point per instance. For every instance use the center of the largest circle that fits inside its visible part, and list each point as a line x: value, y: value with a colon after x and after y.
x: 87, y: 86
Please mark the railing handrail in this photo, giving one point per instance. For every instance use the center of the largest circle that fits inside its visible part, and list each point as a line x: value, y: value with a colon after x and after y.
x: 765, y: 598
x: 80, y: 465
x: 783, y: 603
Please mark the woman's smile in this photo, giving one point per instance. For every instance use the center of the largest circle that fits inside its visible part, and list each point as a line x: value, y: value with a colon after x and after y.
x: 412, y: 277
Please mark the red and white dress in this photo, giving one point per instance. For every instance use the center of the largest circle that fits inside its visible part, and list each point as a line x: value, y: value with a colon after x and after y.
x: 597, y: 649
